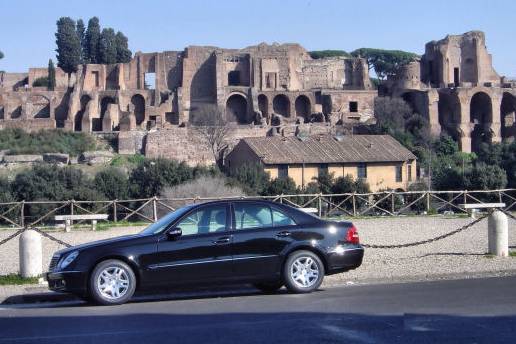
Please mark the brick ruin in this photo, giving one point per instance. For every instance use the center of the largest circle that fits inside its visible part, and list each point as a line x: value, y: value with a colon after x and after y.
x: 455, y: 86
x: 149, y: 102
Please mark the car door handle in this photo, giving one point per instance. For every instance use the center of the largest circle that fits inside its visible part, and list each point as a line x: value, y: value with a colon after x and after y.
x: 223, y: 240
x: 283, y: 234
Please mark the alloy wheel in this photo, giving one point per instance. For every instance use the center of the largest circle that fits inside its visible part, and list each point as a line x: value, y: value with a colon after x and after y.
x: 304, y: 272
x: 113, y: 282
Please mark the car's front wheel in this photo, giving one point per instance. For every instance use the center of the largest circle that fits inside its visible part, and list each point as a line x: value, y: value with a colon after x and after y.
x: 112, y: 282
x: 303, y: 272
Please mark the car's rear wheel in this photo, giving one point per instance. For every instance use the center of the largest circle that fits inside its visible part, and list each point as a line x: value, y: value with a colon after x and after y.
x: 112, y: 282
x: 270, y: 287
x: 303, y: 272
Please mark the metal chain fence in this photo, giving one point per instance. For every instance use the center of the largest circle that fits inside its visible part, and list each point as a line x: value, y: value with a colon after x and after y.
x: 46, y: 235
x: 427, y: 241
x: 373, y: 246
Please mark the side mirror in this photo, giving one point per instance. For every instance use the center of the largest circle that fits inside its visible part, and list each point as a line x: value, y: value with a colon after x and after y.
x: 174, y: 233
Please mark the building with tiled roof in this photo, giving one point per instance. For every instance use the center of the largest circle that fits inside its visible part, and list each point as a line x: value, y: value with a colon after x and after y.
x: 379, y: 159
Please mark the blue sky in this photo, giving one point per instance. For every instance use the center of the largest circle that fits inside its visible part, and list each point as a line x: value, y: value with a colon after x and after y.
x: 27, y: 27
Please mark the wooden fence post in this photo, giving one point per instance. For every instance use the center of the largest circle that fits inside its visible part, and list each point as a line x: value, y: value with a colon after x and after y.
x: 71, y: 213
x: 392, y: 202
x: 354, y: 204
x: 427, y: 202
x: 320, y: 204
x: 114, y: 212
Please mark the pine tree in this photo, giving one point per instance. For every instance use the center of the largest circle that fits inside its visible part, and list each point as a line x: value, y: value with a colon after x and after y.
x: 68, y: 45
x: 51, y: 75
x: 123, y: 54
x: 107, y: 47
x: 81, y: 35
x: 91, y: 41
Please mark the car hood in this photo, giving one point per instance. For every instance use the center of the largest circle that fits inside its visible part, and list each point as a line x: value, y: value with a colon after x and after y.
x: 97, y: 243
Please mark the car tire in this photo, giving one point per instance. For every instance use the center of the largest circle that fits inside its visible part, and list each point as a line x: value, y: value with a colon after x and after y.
x: 303, y: 272
x: 269, y: 287
x: 112, y: 282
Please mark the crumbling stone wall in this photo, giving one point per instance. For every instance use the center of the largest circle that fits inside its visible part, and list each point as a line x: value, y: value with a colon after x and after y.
x: 455, y: 87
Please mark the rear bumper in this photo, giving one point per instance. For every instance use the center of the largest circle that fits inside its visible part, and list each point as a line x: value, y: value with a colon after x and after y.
x: 347, y: 258
x: 67, y: 281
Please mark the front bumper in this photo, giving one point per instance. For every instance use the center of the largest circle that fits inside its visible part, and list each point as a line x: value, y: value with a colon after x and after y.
x: 344, y: 259
x: 67, y: 281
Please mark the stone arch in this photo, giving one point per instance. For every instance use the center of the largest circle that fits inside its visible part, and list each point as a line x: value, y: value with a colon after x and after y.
x: 481, y: 116
x: 303, y: 107
x: 85, y: 99
x: 236, y: 109
x: 281, y: 105
x: 139, y: 108
x: 508, y: 116
x: 263, y: 105
x: 449, y: 109
x: 96, y: 123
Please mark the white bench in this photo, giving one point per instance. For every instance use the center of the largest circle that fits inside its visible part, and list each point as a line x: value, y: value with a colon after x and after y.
x: 475, y: 206
x: 69, y: 218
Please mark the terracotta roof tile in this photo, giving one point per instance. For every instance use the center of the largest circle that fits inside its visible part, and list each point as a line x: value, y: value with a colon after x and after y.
x: 328, y: 149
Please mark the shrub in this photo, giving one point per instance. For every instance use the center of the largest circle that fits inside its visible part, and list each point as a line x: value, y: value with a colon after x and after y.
x: 487, y: 177
x: 151, y: 176
x: 53, y: 183
x: 251, y: 178
x: 278, y: 186
x: 41, y: 82
x: 347, y: 184
x: 123, y: 160
x: 112, y: 183
x: 204, y: 187
x: 17, y: 141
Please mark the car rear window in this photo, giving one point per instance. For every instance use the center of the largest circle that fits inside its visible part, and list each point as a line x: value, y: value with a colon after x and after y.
x: 249, y: 215
x: 279, y: 219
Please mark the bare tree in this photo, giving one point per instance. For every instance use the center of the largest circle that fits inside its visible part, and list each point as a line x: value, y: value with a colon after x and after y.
x: 212, y: 125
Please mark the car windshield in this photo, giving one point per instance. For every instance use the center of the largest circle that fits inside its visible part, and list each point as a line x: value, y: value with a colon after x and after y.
x: 160, y: 225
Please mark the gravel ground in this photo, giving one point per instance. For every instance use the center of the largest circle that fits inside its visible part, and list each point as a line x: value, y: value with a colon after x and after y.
x: 461, y: 255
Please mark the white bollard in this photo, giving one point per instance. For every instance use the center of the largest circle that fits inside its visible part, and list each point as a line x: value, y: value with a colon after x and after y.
x: 93, y: 225
x: 498, y: 234
x: 31, y: 256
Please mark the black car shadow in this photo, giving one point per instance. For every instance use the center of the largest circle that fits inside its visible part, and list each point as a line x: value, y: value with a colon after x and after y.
x: 56, y: 300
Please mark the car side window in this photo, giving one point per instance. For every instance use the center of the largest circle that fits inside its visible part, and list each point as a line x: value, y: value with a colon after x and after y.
x: 248, y: 216
x: 279, y: 219
x: 207, y: 219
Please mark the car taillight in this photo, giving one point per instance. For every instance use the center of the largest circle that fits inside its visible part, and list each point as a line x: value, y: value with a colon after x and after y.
x: 352, y: 235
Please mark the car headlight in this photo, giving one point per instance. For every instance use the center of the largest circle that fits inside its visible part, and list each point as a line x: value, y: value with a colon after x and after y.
x: 68, y: 259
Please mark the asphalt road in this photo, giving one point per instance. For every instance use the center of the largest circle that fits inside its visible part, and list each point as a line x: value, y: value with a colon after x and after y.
x: 458, y: 311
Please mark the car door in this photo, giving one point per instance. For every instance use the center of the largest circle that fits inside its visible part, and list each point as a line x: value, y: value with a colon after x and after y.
x: 201, y: 253
x: 257, y: 243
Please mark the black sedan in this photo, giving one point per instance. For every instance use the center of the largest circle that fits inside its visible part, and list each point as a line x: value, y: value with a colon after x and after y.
x: 236, y: 241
